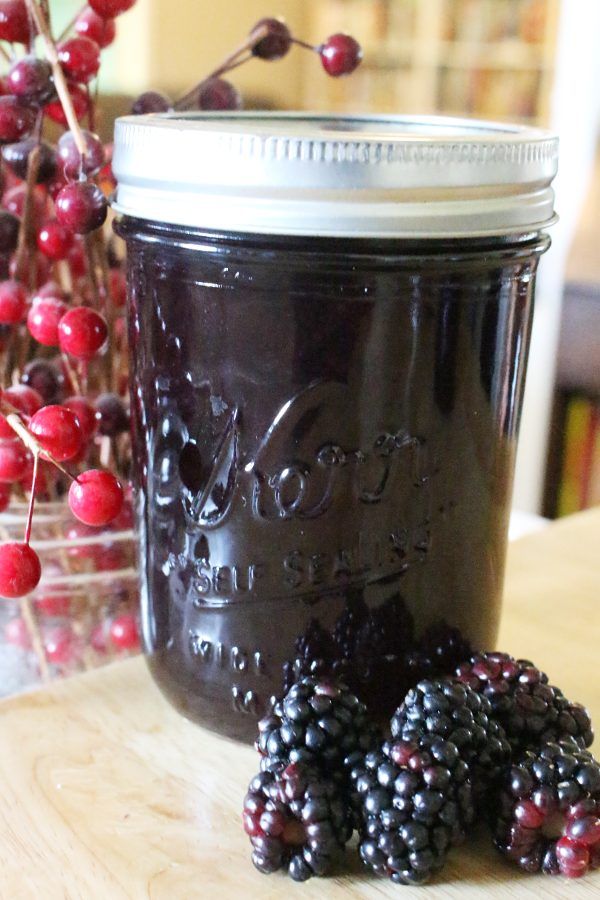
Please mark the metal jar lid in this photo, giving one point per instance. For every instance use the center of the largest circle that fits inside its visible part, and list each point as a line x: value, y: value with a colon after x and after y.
x: 326, y: 175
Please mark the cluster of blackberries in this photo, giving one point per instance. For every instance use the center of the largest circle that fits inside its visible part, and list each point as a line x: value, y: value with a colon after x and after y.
x: 296, y: 812
x: 493, y: 739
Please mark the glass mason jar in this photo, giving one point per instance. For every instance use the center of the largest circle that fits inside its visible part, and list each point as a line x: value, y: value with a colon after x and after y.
x: 329, y: 322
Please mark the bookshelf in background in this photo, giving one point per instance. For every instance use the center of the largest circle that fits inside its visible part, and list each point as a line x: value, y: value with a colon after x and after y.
x: 486, y: 58
x: 572, y: 478
x: 573, y: 481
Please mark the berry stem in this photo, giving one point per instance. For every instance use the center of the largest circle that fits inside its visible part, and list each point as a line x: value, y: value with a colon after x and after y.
x: 110, y: 359
x: 83, y: 375
x: 89, y: 253
x: 59, y: 78
x: 16, y: 423
x: 72, y: 373
x: 10, y: 357
x: 7, y: 56
x: 230, y: 62
x: 26, y: 235
x: 64, y: 275
x: 36, y: 640
x: 45, y: 7
x: 24, y: 350
x: 36, y: 462
x: 304, y: 44
x: 234, y: 65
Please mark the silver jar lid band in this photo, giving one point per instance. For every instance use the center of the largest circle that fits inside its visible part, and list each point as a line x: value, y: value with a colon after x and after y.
x: 358, y: 176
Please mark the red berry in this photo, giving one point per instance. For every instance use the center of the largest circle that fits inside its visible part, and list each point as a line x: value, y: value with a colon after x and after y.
x: 98, y: 639
x: 108, y: 9
x: 96, y: 497
x: 20, y: 570
x: 69, y: 156
x: 276, y: 42
x: 81, y: 207
x: 17, y: 633
x: 124, y: 632
x: 85, y: 415
x: 58, y: 431
x: 30, y: 79
x: 151, y: 102
x: 14, y: 201
x: 80, y: 58
x: 50, y: 289
x: 5, y: 430
x: 16, y: 121
x: 26, y: 399
x: 82, y: 332
x: 13, y: 460
x: 16, y: 156
x: 13, y: 302
x: 57, y: 183
x: 112, y: 417
x: 340, y: 54
x: 573, y: 857
x: 60, y: 645
x: 38, y: 263
x: 80, y: 540
x: 14, y: 22
x: 89, y: 24
x: 218, y: 94
x: 53, y: 604
x: 110, y: 557
x: 43, y: 319
x: 79, y: 99
x: 54, y: 240
x: 4, y: 496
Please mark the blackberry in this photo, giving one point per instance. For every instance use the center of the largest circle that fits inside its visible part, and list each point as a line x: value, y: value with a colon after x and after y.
x: 438, y: 652
x: 450, y: 710
x: 314, y: 654
x: 318, y: 723
x: 548, y: 815
x: 365, y: 648
x: 296, y: 820
x: 413, y: 802
x: 530, y: 710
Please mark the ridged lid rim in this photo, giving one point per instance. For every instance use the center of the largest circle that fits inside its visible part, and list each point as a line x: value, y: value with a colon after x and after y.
x: 302, y: 173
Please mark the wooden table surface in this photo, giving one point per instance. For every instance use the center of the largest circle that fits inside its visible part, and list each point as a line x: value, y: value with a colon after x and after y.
x: 107, y: 794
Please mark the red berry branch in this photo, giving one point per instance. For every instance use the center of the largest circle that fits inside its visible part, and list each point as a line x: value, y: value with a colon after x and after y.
x: 64, y: 417
x: 269, y: 40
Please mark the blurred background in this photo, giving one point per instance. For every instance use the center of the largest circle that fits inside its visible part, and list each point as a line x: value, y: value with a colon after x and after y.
x: 535, y: 61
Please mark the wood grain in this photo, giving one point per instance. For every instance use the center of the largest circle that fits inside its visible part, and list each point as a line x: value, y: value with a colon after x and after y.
x: 107, y: 794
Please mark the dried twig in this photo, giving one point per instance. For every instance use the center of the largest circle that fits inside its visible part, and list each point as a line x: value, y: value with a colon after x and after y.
x: 60, y: 81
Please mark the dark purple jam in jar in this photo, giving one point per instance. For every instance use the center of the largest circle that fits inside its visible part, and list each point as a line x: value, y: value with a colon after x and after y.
x: 329, y: 321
